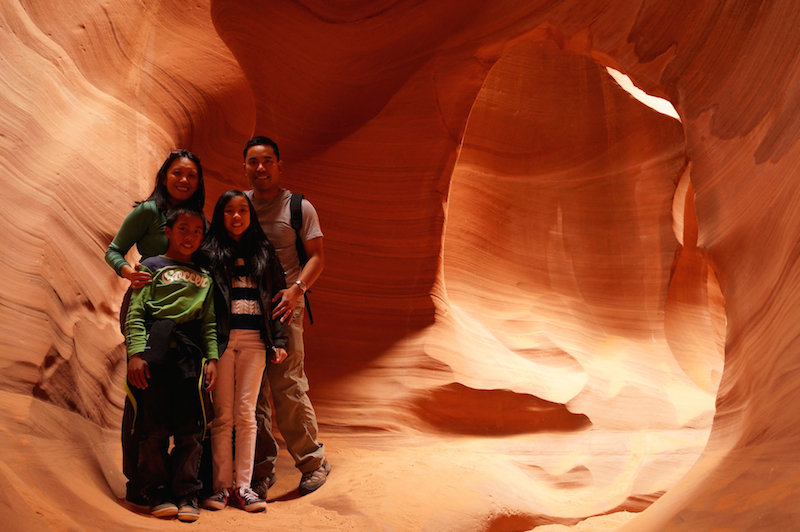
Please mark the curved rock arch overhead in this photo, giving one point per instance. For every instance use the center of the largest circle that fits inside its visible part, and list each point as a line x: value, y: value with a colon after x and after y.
x: 101, y: 90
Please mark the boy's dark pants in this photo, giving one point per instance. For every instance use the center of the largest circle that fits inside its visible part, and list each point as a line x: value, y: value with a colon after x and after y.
x: 131, y: 429
x: 170, y: 405
x: 131, y: 422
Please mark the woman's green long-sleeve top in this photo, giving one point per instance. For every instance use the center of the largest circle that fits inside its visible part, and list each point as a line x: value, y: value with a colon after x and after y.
x: 143, y: 227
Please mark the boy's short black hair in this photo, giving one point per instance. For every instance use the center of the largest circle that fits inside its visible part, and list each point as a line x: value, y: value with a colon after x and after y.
x: 174, y: 213
x: 262, y: 141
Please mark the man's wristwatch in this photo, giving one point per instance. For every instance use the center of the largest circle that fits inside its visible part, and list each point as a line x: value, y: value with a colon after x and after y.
x: 302, y: 285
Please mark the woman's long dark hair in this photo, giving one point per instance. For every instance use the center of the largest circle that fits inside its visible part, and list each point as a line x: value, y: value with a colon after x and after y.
x: 260, y: 258
x: 160, y: 195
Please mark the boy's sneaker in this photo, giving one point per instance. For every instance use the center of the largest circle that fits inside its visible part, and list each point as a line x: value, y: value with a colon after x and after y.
x: 313, y: 480
x: 247, y: 500
x: 217, y: 501
x: 262, y: 486
x: 187, y: 509
x: 134, y: 496
x: 160, y: 507
x: 138, y: 504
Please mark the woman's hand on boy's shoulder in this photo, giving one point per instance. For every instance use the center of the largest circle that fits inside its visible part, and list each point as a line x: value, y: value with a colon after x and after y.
x: 138, y: 371
x: 137, y: 277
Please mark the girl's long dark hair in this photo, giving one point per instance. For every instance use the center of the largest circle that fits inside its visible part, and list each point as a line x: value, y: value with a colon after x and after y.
x: 260, y: 259
x: 160, y: 195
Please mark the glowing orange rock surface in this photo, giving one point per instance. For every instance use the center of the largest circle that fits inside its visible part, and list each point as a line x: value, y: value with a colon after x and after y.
x: 545, y: 305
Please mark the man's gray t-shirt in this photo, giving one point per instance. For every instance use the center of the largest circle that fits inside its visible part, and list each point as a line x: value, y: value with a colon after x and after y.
x: 275, y: 218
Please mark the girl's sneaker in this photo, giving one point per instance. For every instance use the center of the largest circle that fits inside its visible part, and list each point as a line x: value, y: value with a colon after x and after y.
x: 217, y: 501
x: 247, y: 500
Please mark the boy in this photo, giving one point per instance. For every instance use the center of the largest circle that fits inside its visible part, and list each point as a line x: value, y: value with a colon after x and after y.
x: 171, y: 328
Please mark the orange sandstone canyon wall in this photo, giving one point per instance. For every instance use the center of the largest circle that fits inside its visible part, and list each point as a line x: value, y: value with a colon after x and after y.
x: 545, y: 305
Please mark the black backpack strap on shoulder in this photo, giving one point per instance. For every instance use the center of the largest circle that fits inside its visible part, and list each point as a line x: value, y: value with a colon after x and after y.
x: 296, y: 218
x: 296, y: 211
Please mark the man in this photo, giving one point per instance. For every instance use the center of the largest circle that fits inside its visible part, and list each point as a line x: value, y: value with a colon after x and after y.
x: 296, y: 418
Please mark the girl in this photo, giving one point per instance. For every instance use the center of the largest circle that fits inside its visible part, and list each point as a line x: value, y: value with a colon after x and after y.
x: 179, y: 181
x: 247, y: 275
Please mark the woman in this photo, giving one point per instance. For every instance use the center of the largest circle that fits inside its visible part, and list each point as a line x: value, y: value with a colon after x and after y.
x: 247, y: 275
x: 179, y: 181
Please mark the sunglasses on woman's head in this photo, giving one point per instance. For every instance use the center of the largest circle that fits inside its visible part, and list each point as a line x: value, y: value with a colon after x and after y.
x: 181, y: 152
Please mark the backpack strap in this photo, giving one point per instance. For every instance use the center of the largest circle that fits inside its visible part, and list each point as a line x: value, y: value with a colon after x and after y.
x: 296, y: 212
x: 296, y: 216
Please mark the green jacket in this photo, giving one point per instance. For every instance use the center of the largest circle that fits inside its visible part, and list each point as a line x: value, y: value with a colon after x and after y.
x: 179, y: 292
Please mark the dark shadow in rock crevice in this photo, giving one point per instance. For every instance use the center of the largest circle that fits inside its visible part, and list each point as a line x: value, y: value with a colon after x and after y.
x: 458, y: 409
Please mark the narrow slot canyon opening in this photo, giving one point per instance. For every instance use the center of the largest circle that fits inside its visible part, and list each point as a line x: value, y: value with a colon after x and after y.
x: 566, y: 281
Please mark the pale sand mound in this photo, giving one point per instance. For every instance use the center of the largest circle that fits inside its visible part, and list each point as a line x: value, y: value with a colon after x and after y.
x: 532, y: 280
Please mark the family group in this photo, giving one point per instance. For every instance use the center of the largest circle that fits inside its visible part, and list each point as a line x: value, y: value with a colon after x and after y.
x: 213, y: 325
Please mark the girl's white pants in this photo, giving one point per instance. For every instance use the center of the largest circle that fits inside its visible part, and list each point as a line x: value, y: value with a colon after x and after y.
x: 239, y: 373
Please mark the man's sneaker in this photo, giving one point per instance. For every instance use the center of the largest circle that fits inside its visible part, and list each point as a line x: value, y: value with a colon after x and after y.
x: 160, y: 507
x: 247, y: 500
x: 262, y: 486
x: 217, y: 501
x: 313, y: 480
x: 187, y: 509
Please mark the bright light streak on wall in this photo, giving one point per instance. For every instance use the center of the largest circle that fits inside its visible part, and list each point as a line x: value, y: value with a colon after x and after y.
x: 659, y: 104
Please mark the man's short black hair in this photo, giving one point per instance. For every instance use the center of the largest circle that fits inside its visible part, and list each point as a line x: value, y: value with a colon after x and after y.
x: 261, y: 141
